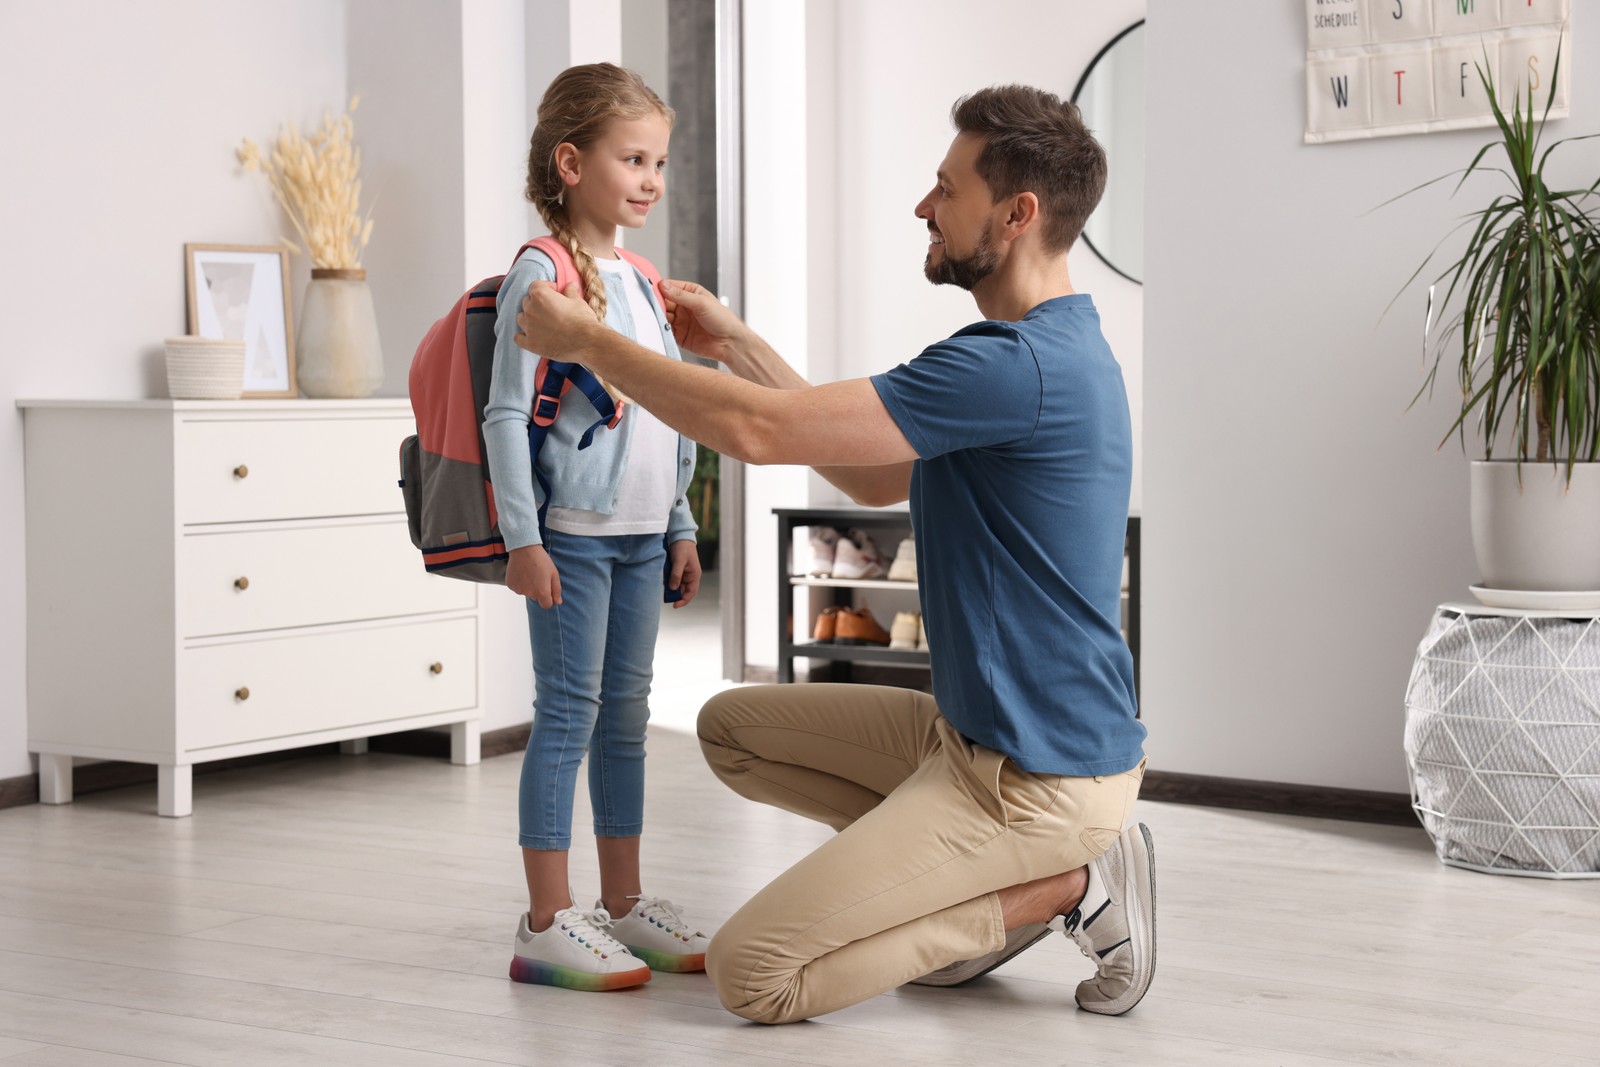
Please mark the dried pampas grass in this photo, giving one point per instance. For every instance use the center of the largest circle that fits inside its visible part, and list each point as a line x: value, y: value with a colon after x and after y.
x: 317, y: 181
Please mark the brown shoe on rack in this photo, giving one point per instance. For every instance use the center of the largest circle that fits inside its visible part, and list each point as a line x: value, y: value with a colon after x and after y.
x: 856, y: 626
x: 826, y: 621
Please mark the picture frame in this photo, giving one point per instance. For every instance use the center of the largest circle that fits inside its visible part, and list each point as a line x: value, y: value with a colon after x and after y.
x: 242, y: 292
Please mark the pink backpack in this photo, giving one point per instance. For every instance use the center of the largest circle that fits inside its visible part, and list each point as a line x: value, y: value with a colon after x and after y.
x: 444, y: 472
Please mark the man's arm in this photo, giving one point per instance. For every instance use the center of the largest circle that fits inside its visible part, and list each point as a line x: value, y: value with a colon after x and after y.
x: 752, y: 359
x: 839, y: 428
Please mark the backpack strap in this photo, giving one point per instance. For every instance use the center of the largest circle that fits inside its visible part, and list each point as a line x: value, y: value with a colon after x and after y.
x: 553, y: 378
x: 646, y: 268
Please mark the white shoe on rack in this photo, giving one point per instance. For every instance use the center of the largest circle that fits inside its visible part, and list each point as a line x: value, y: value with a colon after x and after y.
x: 824, y: 542
x: 904, y: 567
x: 858, y: 557
x: 903, y: 632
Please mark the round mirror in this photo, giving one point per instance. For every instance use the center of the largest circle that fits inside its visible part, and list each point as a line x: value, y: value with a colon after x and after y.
x: 1111, y: 97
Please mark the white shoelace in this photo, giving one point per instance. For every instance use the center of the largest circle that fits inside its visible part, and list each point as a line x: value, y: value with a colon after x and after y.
x: 590, y: 928
x: 663, y: 911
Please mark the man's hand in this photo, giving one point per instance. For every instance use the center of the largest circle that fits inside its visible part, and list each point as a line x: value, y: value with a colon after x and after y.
x: 685, y: 571
x: 553, y: 324
x: 700, y: 322
x: 532, y: 573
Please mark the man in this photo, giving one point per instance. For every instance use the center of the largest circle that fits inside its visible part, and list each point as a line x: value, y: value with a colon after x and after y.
x: 970, y: 819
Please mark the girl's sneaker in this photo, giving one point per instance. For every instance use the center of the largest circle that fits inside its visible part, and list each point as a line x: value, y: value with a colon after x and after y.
x: 577, y: 951
x: 657, y: 934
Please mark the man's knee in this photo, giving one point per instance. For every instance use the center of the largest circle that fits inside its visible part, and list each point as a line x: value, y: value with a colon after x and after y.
x: 712, y: 723
x: 728, y: 966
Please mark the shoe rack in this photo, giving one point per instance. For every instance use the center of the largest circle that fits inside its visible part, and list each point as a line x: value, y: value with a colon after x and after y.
x: 794, y: 626
x: 794, y: 615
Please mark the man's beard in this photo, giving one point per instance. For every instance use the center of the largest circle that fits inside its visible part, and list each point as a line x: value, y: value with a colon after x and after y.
x: 967, y: 272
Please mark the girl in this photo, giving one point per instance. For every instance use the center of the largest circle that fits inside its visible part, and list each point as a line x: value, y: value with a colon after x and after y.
x: 616, y: 522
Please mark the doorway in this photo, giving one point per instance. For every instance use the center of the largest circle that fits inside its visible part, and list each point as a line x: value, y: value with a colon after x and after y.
x: 691, y: 48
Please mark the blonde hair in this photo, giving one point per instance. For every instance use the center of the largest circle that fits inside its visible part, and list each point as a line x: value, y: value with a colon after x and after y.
x: 575, y: 110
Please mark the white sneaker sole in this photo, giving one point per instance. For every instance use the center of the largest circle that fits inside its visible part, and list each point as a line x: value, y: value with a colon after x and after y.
x: 1017, y: 942
x: 1139, y: 869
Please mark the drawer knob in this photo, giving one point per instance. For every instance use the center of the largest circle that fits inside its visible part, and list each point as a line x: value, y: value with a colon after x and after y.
x: 437, y: 668
x: 241, y: 584
x: 241, y: 693
x: 241, y: 471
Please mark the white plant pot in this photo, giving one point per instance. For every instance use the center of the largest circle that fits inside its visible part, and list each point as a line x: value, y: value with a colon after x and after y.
x: 204, y: 368
x: 337, y: 352
x: 1541, y: 534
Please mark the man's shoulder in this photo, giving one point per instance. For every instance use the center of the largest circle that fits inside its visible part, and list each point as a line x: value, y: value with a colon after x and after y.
x: 988, y: 339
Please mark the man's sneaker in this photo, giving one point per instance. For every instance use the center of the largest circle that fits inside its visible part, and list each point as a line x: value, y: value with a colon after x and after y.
x: 824, y: 542
x: 657, y: 934
x: 903, y: 632
x: 1023, y: 937
x: 1115, y: 925
x: 858, y: 557
x: 827, y: 625
x: 856, y: 626
x: 904, y: 567
x: 576, y: 951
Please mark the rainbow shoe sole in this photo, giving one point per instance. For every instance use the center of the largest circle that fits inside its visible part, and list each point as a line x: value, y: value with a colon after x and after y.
x: 671, y: 962
x: 537, y: 972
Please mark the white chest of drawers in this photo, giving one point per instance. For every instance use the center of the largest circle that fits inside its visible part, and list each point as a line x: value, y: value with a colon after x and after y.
x: 209, y: 579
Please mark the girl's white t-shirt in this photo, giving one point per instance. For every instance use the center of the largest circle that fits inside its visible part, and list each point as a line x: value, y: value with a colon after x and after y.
x: 650, y: 477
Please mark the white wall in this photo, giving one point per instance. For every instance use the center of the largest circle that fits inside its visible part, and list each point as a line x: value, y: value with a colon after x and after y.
x: 124, y: 119
x: 121, y: 121
x: 410, y: 130
x: 878, y: 78
x: 1299, y: 527
x: 644, y: 50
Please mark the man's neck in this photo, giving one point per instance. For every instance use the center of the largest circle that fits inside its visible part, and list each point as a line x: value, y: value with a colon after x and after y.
x: 1020, y: 284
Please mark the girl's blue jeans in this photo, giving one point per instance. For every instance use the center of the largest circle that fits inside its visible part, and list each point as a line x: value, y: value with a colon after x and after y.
x: 592, y: 661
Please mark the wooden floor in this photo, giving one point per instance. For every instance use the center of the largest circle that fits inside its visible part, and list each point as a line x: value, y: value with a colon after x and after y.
x: 359, y: 910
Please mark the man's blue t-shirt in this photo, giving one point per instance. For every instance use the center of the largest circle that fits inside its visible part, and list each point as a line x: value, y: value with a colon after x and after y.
x: 1019, y: 503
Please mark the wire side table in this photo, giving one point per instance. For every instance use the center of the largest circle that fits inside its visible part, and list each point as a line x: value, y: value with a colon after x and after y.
x: 1502, y: 740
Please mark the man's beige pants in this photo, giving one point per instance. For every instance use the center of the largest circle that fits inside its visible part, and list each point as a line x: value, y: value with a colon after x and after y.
x: 930, y: 827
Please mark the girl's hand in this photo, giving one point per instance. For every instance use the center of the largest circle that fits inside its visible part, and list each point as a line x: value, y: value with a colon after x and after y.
x: 531, y: 572
x: 699, y: 321
x: 685, y: 570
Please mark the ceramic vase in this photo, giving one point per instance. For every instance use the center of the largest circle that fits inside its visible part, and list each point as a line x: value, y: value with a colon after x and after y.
x: 337, y: 354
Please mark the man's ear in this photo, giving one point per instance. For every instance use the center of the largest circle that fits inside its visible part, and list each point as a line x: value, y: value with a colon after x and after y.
x: 1022, y: 216
x: 567, y: 160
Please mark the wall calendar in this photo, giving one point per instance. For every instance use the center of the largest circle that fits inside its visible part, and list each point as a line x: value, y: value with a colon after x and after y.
x: 1380, y: 68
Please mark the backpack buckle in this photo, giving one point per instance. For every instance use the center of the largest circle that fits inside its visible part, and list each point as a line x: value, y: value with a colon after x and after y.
x: 545, y: 409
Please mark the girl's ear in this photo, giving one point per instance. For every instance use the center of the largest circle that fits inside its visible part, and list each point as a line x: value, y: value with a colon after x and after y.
x: 567, y: 163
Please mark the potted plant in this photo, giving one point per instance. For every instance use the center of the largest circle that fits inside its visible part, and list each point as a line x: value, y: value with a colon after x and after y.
x: 1524, y: 343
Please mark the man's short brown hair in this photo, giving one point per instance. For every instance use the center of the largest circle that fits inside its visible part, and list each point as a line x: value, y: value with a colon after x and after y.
x: 1036, y: 142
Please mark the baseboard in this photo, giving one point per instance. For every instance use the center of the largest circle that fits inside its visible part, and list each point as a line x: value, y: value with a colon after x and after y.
x: 1282, y: 798
x: 1168, y: 787
x: 24, y: 789
x: 436, y: 743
